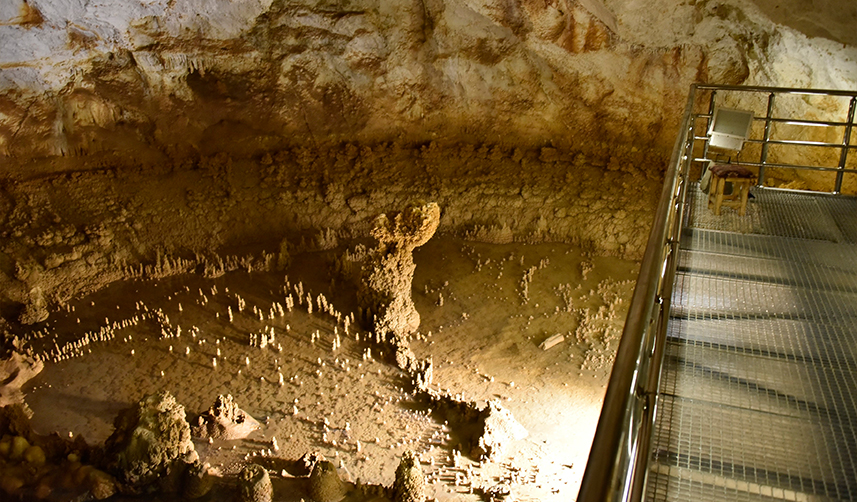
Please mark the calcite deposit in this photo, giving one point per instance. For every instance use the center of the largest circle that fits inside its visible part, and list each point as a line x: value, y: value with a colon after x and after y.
x: 149, y: 439
x: 390, y: 268
x: 224, y: 420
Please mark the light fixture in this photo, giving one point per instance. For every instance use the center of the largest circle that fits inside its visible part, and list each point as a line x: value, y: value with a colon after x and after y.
x: 729, y: 128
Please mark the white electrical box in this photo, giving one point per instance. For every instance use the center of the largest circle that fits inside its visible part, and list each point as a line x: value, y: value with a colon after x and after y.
x: 729, y: 128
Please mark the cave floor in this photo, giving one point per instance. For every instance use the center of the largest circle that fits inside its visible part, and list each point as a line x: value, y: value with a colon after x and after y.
x: 485, y: 309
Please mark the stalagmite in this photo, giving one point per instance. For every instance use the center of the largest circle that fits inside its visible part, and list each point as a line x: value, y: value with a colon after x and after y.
x: 325, y: 484
x: 254, y: 484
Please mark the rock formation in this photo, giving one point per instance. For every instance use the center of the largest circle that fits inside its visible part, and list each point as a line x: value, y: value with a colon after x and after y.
x: 254, y: 484
x: 224, y: 420
x: 499, y: 431
x: 198, y: 480
x: 325, y: 484
x: 410, y: 482
x: 306, y: 464
x: 149, y: 438
x: 15, y: 371
x: 486, y: 432
x: 390, y: 269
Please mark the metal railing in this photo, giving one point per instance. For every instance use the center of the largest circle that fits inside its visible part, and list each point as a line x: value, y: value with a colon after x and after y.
x: 618, y: 460
x: 770, y: 120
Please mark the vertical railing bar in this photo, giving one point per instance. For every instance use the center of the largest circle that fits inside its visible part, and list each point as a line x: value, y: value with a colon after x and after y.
x: 843, y: 158
x: 708, y: 122
x: 764, y: 157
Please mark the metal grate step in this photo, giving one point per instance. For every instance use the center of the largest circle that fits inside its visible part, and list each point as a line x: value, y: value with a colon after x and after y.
x: 759, y: 385
x: 704, y: 295
x: 742, y: 449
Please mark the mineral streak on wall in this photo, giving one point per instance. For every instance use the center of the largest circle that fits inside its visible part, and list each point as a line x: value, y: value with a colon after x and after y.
x: 200, y: 76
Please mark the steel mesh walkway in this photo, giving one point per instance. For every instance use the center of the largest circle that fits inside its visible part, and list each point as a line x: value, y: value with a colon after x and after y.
x: 759, y: 386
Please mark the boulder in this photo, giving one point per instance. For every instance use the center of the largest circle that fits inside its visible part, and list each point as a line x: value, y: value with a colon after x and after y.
x: 149, y: 438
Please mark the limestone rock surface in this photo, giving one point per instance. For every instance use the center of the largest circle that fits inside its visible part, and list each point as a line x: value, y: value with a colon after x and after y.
x: 84, y: 77
x: 149, y: 438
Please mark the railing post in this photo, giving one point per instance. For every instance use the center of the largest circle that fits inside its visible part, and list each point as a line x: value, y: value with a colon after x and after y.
x: 846, y: 140
x: 764, y: 157
x: 708, y: 124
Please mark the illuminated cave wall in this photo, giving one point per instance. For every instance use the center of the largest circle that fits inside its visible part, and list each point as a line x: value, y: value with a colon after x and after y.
x: 195, y: 76
x: 133, y: 128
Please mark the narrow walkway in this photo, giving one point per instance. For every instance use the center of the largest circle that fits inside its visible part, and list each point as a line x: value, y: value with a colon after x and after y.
x: 759, y: 386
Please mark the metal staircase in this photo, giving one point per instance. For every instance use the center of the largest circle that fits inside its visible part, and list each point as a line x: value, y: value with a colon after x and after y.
x: 759, y: 383
x: 736, y: 377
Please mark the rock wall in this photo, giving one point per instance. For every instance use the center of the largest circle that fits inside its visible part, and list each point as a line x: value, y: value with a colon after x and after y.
x: 135, y: 130
x: 194, y: 76
x: 63, y: 234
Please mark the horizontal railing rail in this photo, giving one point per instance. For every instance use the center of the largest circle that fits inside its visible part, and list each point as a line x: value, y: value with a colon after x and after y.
x: 769, y: 119
x: 618, y: 460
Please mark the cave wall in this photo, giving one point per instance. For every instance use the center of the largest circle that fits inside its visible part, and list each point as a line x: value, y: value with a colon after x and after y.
x: 197, y: 77
x: 134, y: 130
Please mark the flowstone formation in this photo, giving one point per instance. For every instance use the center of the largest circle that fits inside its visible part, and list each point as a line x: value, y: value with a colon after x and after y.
x: 224, y: 420
x: 151, y: 439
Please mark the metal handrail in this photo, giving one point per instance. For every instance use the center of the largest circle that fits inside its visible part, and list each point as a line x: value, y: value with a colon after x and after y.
x: 618, y: 460
x: 618, y: 450
x: 775, y: 90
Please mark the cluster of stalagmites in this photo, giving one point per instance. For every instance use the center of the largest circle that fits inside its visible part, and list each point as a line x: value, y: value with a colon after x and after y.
x: 151, y: 451
x: 151, y: 448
